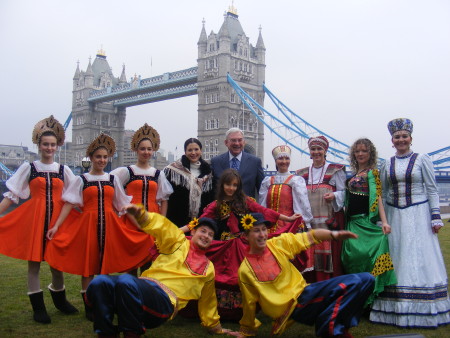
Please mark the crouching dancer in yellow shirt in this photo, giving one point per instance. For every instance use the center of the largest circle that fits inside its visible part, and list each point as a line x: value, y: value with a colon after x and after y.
x: 179, y: 274
x: 267, y: 277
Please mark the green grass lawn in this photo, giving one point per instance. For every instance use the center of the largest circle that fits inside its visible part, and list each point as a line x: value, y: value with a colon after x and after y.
x: 16, y: 314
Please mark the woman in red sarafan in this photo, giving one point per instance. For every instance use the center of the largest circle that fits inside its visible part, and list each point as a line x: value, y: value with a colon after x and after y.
x: 23, y: 231
x: 96, y: 241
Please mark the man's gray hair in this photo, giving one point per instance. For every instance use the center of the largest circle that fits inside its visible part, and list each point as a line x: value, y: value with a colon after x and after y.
x: 233, y: 130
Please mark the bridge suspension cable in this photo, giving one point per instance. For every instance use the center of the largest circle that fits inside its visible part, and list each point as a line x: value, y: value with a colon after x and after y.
x: 290, y: 127
x: 294, y: 130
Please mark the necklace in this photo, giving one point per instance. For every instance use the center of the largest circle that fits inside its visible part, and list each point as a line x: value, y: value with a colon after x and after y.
x: 361, y: 171
x: 314, y: 189
x: 404, y: 155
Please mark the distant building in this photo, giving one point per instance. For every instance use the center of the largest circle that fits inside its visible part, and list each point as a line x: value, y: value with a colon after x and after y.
x: 170, y: 157
x: 160, y: 162
x: 129, y: 156
x: 65, y: 155
x: 13, y: 156
x: 91, y: 120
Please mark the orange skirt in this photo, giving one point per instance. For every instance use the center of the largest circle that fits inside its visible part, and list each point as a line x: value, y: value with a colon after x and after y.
x: 75, y: 248
x: 22, y: 230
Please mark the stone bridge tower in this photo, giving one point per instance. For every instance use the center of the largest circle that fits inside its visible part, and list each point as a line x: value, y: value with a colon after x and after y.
x: 219, y: 107
x: 89, y: 120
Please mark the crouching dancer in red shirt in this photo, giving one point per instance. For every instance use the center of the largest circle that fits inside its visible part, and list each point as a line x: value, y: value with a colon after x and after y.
x: 267, y: 277
x: 181, y: 273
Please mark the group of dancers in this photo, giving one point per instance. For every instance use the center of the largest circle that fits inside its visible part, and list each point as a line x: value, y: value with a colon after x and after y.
x: 293, y: 247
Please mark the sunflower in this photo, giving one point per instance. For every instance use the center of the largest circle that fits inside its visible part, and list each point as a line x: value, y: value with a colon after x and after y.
x: 225, y: 210
x: 248, y: 221
x: 192, y: 224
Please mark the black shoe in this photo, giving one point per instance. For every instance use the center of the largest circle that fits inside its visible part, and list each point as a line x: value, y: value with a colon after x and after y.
x: 40, y: 314
x: 61, y: 303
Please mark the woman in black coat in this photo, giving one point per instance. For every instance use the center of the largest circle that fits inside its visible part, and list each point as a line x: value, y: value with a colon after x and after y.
x: 191, y: 181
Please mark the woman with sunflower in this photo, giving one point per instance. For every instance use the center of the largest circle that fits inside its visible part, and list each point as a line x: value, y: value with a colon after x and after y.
x: 370, y: 253
x: 231, y: 210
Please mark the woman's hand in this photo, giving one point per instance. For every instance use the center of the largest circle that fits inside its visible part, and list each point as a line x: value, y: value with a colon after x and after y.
x: 329, y: 196
x: 386, y: 228
x: 436, y: 228
x: 289, y: 218
x: 51, y: 233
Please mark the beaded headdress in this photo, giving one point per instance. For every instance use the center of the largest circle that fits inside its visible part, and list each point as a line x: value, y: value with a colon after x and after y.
x: 281, y: 151
x: 50, y: 124
x: 400, y: 124
x: 102, y: 140
x: 319, y: 141
x: 145, y: 132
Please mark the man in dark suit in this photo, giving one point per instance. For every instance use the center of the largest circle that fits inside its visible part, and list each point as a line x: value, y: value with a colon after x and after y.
x: 248, y: 166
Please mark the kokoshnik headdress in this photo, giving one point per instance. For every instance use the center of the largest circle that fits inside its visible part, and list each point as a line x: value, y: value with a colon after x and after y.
x: 400, y: 124
x: 281, y: 151
x: 145, y: 132
x: 50, y: 124
x: 319, y: 141
x: 102, y: 140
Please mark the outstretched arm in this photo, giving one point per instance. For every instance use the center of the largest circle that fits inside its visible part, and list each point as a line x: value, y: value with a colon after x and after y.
x: 289, y: 218
x: 326, y: 235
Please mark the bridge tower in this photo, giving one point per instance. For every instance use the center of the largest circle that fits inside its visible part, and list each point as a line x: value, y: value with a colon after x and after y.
x: 219, y: 107
x: 89, y: 120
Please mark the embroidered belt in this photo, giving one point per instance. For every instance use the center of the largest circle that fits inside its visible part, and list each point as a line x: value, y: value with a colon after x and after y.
x: 357, y: 216
x: 406, y: 206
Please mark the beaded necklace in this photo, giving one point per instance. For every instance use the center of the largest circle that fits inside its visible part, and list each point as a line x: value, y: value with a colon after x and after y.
x: 312, y: 178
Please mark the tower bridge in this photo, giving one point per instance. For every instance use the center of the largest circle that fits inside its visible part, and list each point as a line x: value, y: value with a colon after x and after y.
x: 140, y: 91
x: 100, y: 100
x: 229, y: 83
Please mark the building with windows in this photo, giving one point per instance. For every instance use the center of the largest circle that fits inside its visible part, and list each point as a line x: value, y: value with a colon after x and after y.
x: 219, y: 107
x: 13, y: 156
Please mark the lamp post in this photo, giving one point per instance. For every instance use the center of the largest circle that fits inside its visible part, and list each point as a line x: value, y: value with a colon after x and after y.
x: 86, y: 164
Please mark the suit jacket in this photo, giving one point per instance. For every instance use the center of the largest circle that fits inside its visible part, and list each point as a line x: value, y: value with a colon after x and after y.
x: 250, y: 169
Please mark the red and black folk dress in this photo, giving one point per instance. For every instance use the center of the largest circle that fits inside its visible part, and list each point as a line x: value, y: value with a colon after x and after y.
x: 96, y: 241
x: 23, y: 230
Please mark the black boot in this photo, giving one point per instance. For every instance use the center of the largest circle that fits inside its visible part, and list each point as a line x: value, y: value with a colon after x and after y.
x: 40, y: 313
x: 87, y: 308
x: 61, y: 303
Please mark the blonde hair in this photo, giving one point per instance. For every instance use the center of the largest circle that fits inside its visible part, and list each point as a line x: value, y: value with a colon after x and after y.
x: 373, y: 155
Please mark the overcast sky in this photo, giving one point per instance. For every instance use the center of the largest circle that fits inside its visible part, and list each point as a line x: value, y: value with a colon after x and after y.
x: 347, y: 67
